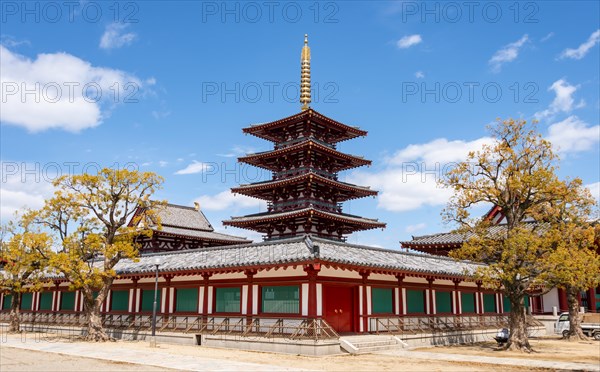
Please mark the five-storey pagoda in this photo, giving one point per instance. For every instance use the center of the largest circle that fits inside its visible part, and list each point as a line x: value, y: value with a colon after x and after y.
x: 304, y: 195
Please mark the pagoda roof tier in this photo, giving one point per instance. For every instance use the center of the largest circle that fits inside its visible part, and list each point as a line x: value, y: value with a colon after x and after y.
x: 268, y: 159
x: 264, y: 190
x: 277, y: 131
x: 262, y: 222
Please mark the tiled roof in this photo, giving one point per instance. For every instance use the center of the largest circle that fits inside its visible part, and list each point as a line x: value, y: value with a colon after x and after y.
x: 299, y: 249
x: 200, y: 234
x: 278, y: 215
x: 184, y: 217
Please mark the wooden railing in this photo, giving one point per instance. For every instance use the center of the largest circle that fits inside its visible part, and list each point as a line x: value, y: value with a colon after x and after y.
x: 292, y: 328
x: 426, y: 324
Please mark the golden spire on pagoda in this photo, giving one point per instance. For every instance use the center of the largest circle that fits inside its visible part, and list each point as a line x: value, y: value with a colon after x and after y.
x: 305, y: 75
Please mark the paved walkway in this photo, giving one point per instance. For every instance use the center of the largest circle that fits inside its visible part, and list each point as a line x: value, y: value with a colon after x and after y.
x: 112, y: 352
x: 528, y: 363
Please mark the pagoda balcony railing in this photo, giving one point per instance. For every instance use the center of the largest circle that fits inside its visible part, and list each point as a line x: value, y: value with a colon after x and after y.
x: 302, y: 170
x: 303, y: 203
x: 302, y: 139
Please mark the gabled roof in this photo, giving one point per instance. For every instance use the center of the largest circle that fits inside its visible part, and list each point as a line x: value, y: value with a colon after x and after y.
x: 298, y: 250
x: 184, y: 217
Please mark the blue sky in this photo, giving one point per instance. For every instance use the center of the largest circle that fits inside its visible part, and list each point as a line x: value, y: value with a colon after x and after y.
x: 179, y: 81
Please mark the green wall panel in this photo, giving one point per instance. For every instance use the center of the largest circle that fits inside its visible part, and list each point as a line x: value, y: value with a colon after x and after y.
x: 7, y: 302
x: 148, y: 300
x: 26, y: 301
x: 281, y: 299
x: 67, y: 301
x: 119, y: 301
x: 228, y: 300
x: 415, y: 301
x: 467, y: 302
x: 443, y: 302
x: 46, y: 301
x: 186, y: 300
x: 489, y: 303
x: 381, y: 300
x: 506, y: 304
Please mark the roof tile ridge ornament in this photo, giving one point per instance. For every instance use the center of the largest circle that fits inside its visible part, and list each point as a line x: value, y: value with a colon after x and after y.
x: 305, y: 97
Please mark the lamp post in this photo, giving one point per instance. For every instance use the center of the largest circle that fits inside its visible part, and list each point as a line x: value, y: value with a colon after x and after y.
x: 153, y: 337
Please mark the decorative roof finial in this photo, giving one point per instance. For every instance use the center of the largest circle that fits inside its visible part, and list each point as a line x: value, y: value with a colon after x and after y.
x: 305, y: 75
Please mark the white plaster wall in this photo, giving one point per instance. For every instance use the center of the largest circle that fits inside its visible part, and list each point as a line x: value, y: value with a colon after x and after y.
x: 550, y: 299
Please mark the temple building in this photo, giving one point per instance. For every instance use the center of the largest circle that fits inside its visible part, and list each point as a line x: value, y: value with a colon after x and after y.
x: 304, y: 280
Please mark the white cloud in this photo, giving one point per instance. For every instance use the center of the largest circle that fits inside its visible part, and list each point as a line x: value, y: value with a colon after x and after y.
x: 563, y: 100
x: 408, y: 41
x: 573, y: 135
x: 163, y: 163
x: 594, y: 190
x: 439, y: 151
x: 238, y: 151
x: 225, y: 200
x: 583, y: 49
x: 412, y: 228
x: 547, y: 37
x: 419, y: 75
x: 195, y: 167
x: 508, y: 53
x: 114, y: 36
x: 410, y: 181
x: 67, y: 91
x: 24, y: 185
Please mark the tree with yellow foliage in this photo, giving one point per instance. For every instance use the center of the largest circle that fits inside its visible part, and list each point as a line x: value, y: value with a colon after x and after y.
x: 516, y: 173
x: 23, y: 259
x: 96, y: 219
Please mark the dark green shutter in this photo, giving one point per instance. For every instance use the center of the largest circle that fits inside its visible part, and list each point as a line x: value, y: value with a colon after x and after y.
x: 228, y: 300
x: 506, y: 304
x: 67, y: 301
x: 489, y: 303
x: 281, y: 299
x: 382, y: 300
x: 7, y: 302
x: 526, y: 301
x: 148, y: 300
x: 46, y: 301
x: 120, y: 301
x: 26, y: 301
x: 467, y: 302
x: 415, y: 301
x: 187, y: 300
x: 443, y: 302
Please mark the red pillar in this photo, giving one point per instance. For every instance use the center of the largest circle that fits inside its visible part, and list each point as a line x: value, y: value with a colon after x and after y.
x: 562, y: 300
x: 400, y: 309
x: 592, y: 300
x: 312, y: 272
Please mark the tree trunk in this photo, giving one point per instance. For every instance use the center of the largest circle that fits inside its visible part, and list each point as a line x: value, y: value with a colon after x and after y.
x: 575, y: 332
x: 91, y: 308
x: 518, y: 339
x: 15, y: 314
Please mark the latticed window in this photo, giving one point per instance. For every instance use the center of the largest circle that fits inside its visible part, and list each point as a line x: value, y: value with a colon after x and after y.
x: 228, y: 300
x: 281, y: 299
x: 187, y: 300
x: 148, y: 300
x: 415, y: 301
x: 382, y: 300
x: 46, y: 301
x: 7, y: 302
x: 467, y: 302
x: 489, y: 303
x: 67, y: 301
x: 26, y: 301
x: 120, y: 301
x: 443, y: 302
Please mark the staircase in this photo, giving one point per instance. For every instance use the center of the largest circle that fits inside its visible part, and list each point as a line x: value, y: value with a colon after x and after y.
x: 370, y: 343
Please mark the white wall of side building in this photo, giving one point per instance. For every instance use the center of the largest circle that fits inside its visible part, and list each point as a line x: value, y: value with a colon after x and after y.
x: 550, y: 300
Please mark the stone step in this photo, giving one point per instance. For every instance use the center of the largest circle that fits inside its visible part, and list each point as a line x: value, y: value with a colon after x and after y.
x: 371, y: 349
x: 363, y: 344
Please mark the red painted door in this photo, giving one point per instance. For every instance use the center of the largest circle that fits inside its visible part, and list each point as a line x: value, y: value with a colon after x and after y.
x: 338, y: 307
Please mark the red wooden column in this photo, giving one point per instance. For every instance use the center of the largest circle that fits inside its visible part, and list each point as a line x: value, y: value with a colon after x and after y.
x: 312, y: 271
x: 249, y: 300
x: 592, y: 300
x: 364, y: 305
x: 205, y: 282
x: 431, y: 310
x: 400, y: 307
x: 562, y: 300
